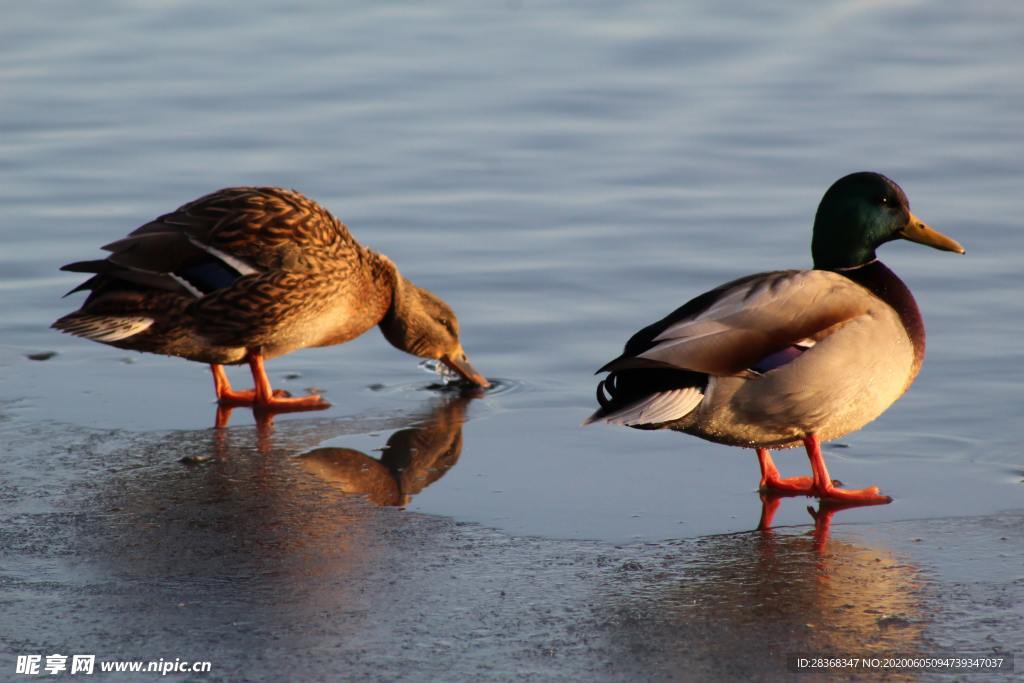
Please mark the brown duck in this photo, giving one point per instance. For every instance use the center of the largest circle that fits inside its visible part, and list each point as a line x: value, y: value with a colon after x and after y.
x: 246, y: 274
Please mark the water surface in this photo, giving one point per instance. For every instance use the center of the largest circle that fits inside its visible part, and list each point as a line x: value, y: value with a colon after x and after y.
x: 562, y: 176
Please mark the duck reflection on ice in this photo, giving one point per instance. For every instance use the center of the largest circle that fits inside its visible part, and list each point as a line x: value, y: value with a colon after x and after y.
x: 738, y: 605
x: 822, y: 516
x: 413, y: 458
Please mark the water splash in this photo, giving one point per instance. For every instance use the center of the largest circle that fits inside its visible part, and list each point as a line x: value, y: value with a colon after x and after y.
x: 438, y: 368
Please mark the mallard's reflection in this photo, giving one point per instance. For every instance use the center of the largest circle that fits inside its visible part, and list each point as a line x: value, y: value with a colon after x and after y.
x: 822, y: 515
x: 413, y: 458
x: 751, y: 599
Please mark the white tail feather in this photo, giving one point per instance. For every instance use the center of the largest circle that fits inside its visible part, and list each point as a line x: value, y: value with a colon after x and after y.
x: 665, y: 406
x: 104, y: 328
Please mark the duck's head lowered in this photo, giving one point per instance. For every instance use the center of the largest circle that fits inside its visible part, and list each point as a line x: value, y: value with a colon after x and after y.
x: 420, y: 323
x: 859, y: 213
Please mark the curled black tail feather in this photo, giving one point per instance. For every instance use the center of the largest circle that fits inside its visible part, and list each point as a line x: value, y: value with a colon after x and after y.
x: 622, y: 388
x: 609, y: 382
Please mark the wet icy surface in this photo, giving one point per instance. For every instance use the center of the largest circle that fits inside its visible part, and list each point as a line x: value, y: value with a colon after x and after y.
x: 263, y: 567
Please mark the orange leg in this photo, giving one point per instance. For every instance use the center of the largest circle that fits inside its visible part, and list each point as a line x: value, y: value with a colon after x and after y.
x: 268, y: 399
x: 226, y: 396
x: 771, y: 482
x: 262, y: 396
x: 825, y: 488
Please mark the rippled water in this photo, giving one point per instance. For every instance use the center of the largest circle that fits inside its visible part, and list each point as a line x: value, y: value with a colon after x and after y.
x: 562, y: 175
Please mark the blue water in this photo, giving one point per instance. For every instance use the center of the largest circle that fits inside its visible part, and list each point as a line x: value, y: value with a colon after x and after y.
x: 562, y: 175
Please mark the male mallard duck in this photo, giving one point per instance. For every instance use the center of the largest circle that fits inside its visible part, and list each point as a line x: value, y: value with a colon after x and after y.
x: 246, y: 274
x: 775, y: 359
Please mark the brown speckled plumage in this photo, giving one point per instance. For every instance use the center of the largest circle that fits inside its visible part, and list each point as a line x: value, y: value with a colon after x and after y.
x: 254, y: 271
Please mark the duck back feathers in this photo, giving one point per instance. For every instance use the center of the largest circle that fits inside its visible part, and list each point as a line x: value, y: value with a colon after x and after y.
x: 243, y: 267
x: 764, y: 359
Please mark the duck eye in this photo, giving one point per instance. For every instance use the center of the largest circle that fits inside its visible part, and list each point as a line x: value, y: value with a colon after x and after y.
x: 883, y: 200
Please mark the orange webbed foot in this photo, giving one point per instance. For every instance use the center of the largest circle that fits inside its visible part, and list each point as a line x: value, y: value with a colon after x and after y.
x: 791, y: 485
x: 262, y: 397
x: 245, y: 398
x: 288, y: 403
x: 821, y: 485
x: 828, y: 490
x: 871, y: 495
x: 772, y: 482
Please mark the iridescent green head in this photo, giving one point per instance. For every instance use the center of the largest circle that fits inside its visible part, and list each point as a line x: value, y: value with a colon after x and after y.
x: 862, y: 211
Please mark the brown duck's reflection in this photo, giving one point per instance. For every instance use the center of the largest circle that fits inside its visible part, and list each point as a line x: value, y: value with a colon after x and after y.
x: 412, y: 460
x: 245, y: 507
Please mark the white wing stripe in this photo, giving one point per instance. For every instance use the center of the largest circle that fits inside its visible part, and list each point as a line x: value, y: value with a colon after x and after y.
x: 238, y: 264
x: 187, y: 285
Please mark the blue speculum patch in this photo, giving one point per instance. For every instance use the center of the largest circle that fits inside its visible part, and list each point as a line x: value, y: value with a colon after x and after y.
x: 779, y: 358
x: 210, y: 275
